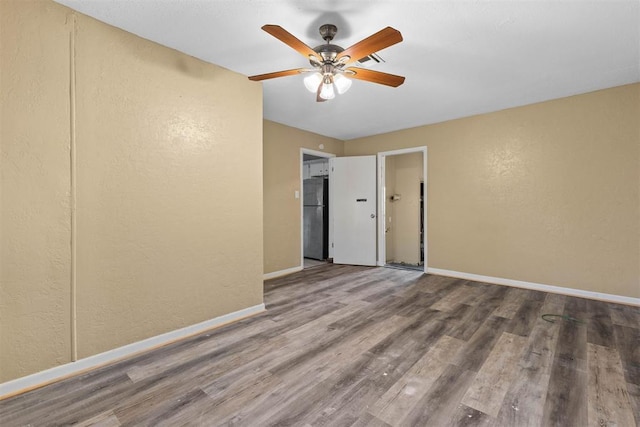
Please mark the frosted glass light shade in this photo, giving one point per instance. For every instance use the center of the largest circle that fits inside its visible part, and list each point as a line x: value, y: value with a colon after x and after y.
x: 342, y: 83
x: 312, y: 81
x: 327, y: 91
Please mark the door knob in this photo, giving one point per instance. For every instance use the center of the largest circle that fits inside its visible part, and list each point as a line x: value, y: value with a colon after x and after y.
x: 373, y: 215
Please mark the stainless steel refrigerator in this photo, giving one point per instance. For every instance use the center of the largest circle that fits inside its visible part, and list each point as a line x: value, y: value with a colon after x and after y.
x: 316, y: 218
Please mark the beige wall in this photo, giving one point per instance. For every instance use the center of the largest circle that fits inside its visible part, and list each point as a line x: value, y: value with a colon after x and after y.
x: 168, y: 174
x: 546, y: 193
x: 404, y: 228
x: 35, y: 331
x: 282, y: 146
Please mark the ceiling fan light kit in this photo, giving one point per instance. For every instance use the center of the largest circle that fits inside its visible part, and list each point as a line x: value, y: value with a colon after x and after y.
x: 312, y: 81
x: 330, y: 72
x: 326, y: 90
x: 342, y: 83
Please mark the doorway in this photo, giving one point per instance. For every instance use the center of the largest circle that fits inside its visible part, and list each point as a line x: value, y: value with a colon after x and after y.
x: 316, y: 229
x: 402, y: 231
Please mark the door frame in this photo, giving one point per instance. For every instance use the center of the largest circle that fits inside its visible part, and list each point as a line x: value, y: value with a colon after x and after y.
x: 316, y: 153
x: 382, y: 214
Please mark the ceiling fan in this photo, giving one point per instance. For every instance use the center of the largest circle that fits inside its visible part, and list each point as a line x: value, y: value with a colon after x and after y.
x: 331, y: 63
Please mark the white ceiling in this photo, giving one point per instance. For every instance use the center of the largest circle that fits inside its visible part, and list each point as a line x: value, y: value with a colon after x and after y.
x: 459, y: 58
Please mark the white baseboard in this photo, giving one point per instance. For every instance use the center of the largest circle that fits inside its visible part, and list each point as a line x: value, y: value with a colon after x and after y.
x: 619, y: 299
x: 284, y: 272
x: 57, y: 373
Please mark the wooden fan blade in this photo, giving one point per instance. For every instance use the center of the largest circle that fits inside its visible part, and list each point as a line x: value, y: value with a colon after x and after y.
x: 283, y: 73
x: 375, y: 77
x: 374, y: 43
x: 290, y: 40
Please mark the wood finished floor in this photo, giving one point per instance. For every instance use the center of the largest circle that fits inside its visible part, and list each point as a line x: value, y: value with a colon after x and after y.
x: 358, y: 346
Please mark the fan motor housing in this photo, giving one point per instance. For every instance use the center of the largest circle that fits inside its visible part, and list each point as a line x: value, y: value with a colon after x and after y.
x: 328, y: 32
x: 328, y: 51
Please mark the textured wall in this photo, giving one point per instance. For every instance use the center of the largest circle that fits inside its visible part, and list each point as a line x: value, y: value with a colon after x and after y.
x: 169, y: 189
x: 34, y: 188
x: 281, y: 179
x: 168, y: 172
x: 546, y: 193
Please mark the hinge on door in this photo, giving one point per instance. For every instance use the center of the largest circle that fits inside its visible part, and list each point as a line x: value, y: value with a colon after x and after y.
x: 331, y: 244
x: 331, y: 168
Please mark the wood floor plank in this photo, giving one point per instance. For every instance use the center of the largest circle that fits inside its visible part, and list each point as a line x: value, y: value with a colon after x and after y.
x: 386, y: 289
x: 565, y: 402
x: 470, y: 320
x: 370, y: 376
x: 431, y: 283
x: 625, y: 315
x: 525, y: 317
x: 608, y: 402
x: 458, y: 295
x: 152, y: 397
x: 421, y: 302
x: 490, y: 386
x: 106, y: 419
x: 572, y: 344
x: 316, y: 398
x: 290, y: 292
x: 524, y: 402
x: 68, y: 403
x: 363, y: 285
x: 367, y: 420
x: 270, y: 357
x: 634, y: 397
x: 410, y: 388
x: 475, y: 351
x: 534, y: 295
x: 372, y: 291
x: 600, y: 330
x: 325, y: 356
x: 511, y: 303
x: 189, y: 409
x: 320, y: 324
x: 469, y: 417
x: 289, y: 345
x: 354, y: 346
x: 226, y: 403
x: 438, y: 406
x: 384, y: 364
x: 492, y: 296
x: 455, y: 320
x: 256, y: 411
x: 153, y: 367
x: 287, y: 406
x: 628, y: 345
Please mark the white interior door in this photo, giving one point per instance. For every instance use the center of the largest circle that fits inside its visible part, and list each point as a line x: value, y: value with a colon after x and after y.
x: 353, y: 205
